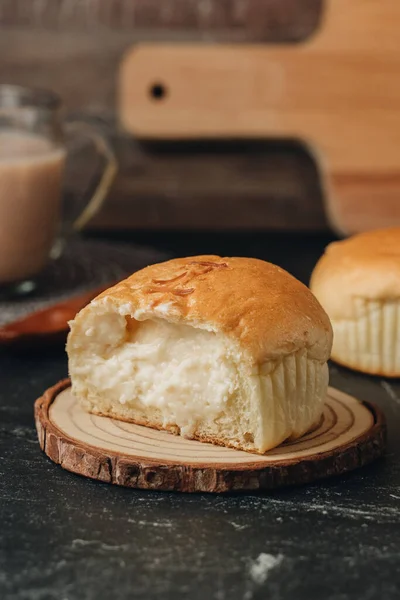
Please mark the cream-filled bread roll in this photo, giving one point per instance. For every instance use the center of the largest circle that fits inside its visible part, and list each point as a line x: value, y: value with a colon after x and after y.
x: 231, y: 351
x: 357, y: 281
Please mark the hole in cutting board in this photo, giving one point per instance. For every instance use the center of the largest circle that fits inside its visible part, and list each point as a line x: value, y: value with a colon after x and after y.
x: 158, y: 91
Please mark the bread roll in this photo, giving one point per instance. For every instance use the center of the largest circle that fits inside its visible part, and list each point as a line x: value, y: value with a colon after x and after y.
x: 357, y: 281
x: 231, y: 351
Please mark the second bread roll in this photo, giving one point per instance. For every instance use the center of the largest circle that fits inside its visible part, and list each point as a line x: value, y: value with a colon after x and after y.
x: 357, y: 281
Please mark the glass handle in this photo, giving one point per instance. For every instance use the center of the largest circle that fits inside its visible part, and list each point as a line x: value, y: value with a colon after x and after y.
x: 77, y: 128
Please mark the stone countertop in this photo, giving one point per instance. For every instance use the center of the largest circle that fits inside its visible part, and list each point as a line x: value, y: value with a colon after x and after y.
x: 64, y: 537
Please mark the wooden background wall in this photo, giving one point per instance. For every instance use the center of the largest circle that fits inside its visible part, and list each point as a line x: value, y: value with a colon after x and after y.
x: 75, y: 46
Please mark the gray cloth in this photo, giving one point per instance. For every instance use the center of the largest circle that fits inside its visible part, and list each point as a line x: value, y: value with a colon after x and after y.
x: 83, y: 265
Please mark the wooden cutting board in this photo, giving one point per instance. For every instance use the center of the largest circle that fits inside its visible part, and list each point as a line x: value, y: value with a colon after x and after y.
x: 338, y: 92
x: 349, y: 435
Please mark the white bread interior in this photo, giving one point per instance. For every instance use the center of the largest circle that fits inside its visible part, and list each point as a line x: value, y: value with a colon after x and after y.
x: 150, y: 363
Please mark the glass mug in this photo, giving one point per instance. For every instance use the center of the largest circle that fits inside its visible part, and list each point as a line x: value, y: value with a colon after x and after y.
x: 34, y: 222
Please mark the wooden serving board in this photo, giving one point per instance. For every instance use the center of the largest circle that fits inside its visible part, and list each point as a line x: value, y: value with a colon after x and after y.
x: 267, y: 186
x: 338, y: 92
x: 350, y: 434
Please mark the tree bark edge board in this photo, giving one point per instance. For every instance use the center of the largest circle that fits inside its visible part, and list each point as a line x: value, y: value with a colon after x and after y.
x: 126, y: 470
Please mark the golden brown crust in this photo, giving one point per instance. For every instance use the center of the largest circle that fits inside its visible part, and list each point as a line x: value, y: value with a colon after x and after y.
x: 269, y: 312
x: 366, y: 265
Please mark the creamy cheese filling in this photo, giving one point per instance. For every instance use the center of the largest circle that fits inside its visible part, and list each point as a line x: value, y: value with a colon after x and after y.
x: 187, y: 373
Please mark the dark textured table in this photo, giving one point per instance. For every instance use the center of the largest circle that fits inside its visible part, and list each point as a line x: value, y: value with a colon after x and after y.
x: 64, y: 537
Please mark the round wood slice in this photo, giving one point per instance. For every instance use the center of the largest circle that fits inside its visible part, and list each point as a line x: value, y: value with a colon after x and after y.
x: 350, y: 434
